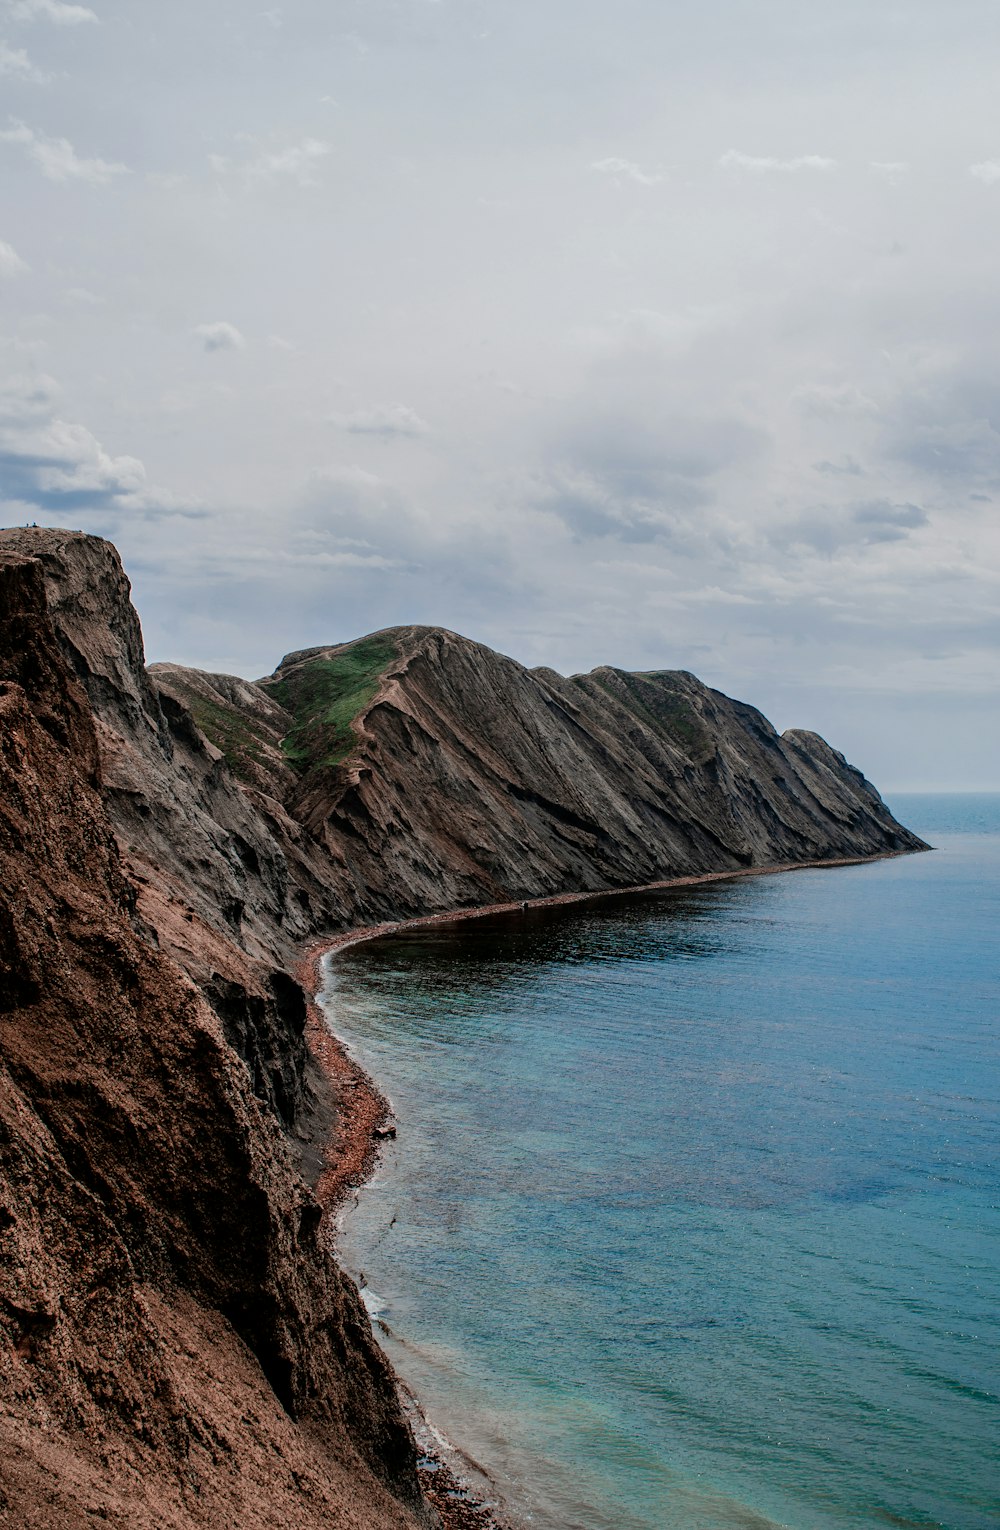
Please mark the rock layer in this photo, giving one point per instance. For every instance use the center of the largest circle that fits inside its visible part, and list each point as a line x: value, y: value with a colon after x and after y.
x: 472, y: 779
x: 176, y: 1348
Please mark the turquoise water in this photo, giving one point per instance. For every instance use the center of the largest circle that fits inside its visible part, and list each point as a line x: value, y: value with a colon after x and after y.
x: 693, y: 1220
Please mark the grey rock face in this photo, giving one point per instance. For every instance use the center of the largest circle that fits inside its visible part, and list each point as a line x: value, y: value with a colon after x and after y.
x: 474, y: 780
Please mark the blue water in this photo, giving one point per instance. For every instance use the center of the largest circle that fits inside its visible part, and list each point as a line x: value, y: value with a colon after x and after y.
x: 693, y: 1220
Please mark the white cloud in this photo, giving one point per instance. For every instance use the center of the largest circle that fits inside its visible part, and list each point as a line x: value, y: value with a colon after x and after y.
x: 987, y: 171
x: 220, y: 336
x: 51, y: 464
x: 833, y: 401
x: 11, y: 263
x: 626, y: 170
x: 63, y: 14
x: 385, y: 420
x: 15, y: 63
x: 166, y: 180
x: 758, y: 164
x: 298, y: 162
x: 58, y: 160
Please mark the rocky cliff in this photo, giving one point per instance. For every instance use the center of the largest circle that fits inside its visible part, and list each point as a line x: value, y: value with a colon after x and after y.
x: 176, y: 1346
x: 438, y: 774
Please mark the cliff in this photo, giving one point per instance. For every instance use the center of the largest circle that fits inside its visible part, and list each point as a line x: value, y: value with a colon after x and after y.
x: 177, y: 1348
x: 438, y: 774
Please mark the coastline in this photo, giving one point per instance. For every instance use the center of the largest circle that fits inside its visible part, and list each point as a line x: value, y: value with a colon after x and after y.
x: 364, y: 1121
x: 364, y: 1115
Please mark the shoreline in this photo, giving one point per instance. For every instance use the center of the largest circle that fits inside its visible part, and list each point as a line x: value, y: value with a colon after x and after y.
x: 364, y: 1120
x: 364, y: 1115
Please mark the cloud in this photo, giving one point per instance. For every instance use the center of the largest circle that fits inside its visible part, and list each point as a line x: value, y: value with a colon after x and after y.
x: 626, y: 170
x: 357, y: 517
x: 896, y: 518
x: 833, y: 401
x: 50, y: 464
x: 592, y: 504
x: 58, y: 11
x: 386, y: 420
x: 219, y: 336
x: 638, y: 447
x: 640, y: 473
x: 953, y: 449
x: 298, y: 162
x: 84, y: 298
x: 765, y: 164
x: 987, y: 171
x: 58, y: 160
x: 846, y: 465
x: 862, y: 523
x: 11, y: 263
x: 16, y: 63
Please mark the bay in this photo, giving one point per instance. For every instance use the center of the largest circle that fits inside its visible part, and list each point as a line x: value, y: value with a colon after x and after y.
x: 693, y: 1219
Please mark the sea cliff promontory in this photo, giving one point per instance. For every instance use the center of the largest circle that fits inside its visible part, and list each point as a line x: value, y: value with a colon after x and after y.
x: 178, y: 1347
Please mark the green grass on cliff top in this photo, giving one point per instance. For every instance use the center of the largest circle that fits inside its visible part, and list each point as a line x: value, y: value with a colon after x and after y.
x: 228, y: 730
x: 325, y: 696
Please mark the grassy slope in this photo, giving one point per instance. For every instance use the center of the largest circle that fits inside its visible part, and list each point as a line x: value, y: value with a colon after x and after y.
x: 227, y: 728
x: 325, y: 695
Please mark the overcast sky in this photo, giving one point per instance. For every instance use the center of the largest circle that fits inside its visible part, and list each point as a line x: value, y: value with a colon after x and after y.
x: 655, y: 334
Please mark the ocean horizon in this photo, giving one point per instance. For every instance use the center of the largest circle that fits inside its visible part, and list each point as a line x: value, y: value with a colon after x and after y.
x: 692, y: 1220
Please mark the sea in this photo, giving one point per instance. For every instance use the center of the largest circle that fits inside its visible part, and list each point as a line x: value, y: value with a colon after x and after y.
x: 692, y: 1221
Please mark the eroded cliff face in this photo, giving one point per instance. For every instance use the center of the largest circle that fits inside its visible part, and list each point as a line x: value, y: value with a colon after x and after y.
x: 228, y: 881
x: 470, y: 779
x: 176, y: 1348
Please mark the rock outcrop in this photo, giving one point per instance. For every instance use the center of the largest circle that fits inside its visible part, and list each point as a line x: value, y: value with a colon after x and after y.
x: 467, y: 778
x: 177, y: 1348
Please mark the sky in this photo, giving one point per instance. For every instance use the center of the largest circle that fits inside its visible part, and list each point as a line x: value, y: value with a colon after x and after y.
x: 652, y: 334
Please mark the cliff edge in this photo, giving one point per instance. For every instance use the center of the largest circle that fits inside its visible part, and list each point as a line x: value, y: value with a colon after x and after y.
x: 176, y: 1347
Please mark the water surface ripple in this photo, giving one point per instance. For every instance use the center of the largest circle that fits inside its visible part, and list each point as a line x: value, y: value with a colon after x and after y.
x: 693, y: 1221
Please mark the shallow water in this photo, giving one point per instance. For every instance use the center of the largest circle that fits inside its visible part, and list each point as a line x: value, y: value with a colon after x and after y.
x: 693, y: 1218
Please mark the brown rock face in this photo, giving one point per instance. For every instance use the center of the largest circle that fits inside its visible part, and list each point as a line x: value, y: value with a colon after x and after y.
x: 228, y: 881
x: 175, y: 1347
